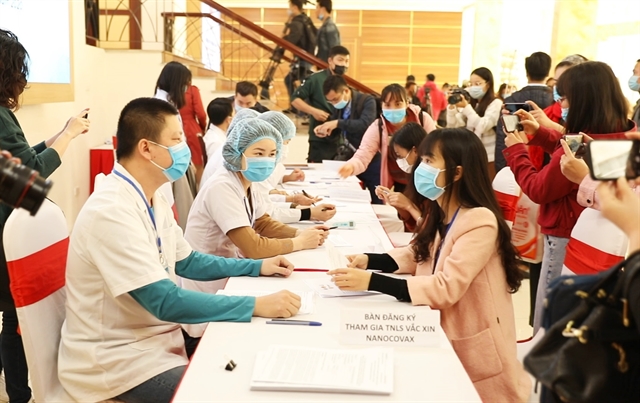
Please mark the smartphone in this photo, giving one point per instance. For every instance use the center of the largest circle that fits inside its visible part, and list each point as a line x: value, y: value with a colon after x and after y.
x: 511, y: 123
x: 573, y: 141
x: 613, y: 159
x: 512, y: 107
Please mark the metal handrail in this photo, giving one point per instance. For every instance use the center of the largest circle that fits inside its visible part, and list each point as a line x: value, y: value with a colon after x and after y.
x: 301, y: 53
x: 228, y: 26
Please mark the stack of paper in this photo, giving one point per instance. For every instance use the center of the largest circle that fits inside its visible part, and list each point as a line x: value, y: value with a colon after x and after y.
x: 349, y: 193
x: 305, y: 369
x: 338, y: 259
x: 306, y: 297
x: 327, y: 289
x: 331, y: 165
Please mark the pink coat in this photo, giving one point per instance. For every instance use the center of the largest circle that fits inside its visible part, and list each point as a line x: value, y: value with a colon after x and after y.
x: 469, y: 288
x: 370, y: 145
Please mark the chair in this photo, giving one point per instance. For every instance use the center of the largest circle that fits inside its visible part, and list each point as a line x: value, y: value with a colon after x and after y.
x: 36, y: 253
x: 521, y: 214
x: 595, y: 244
x: 508, y: 193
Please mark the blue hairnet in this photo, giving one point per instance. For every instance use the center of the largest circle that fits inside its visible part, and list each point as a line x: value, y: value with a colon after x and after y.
x: 242, y: 135
x: 281, y: 122
x: 244, y: 113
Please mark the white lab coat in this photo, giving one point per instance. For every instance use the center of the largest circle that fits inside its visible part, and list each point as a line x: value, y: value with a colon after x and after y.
x: 277, y: 207
x: 109, y: 342
x: 219, y: 207
x: 213, y: 140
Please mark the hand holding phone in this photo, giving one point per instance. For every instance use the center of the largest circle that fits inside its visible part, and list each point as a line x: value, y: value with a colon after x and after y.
x: 511, y: 123
x: 613, y: 159
x: 576, y: 144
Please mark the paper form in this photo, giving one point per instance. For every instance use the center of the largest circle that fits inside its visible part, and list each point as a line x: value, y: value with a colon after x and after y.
x: 367, y: 371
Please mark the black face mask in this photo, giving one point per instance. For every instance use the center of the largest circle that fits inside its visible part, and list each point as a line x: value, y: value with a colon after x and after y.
x: 340, y: 70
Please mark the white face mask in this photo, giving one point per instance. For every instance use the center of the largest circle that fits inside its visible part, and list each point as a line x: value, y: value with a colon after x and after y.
x: 284, y: 152
x: 404, y: 165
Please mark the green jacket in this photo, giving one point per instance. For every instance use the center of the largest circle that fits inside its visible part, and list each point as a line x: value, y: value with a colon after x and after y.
x: 42, y: 159
x: 311, y: 92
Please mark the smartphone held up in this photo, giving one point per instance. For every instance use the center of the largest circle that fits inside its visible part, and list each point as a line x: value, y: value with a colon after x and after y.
x: 613, y: 159
x: 511, y: 123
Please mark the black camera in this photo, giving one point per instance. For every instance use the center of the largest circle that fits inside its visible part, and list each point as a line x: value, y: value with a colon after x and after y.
x: 21, y: 186
x: 457, y: 95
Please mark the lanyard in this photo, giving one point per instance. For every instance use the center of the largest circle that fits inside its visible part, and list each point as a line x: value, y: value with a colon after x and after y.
x: 446, y: 231
x: 151, y: 215
x: 248, y: 207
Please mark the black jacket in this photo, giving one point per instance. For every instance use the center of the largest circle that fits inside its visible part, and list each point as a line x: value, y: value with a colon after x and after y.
x: 363, y: 113
x: 297, y: 32
x: 542, y: 95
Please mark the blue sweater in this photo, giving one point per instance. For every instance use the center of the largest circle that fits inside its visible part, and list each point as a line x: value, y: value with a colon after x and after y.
x: 168, y: 302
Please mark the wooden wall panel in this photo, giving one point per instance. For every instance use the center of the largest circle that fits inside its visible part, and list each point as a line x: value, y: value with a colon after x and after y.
x: 347, y: 17
x: 385, y: 46
x: 441, y: 19
x: 437, y: 36
x: 384, y: 18
x: 391, y: 36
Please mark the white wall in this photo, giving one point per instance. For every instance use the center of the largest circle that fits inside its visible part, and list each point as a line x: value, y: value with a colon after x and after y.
x: 104, y: 81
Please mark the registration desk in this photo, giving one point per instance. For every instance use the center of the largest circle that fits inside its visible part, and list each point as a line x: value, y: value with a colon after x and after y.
x: 421, y: 374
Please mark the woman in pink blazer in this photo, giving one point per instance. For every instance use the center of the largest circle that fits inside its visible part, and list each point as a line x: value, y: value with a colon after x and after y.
x: 396, y: 112
x: 462, y: 263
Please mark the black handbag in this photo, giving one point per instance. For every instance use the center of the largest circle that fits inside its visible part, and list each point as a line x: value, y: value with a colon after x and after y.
x: 344, y: 150
x: 591, y: 349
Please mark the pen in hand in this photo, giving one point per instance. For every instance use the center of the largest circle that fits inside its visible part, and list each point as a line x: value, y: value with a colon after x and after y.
x: 307, y: 195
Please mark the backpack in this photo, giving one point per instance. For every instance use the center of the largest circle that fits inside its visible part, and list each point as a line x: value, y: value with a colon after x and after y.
x: 310, y: 34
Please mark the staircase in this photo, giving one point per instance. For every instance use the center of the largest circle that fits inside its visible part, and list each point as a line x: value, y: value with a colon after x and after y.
x: 219, y: 46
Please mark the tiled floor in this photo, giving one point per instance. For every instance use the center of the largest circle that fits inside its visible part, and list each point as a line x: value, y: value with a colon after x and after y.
x: 298, y: 153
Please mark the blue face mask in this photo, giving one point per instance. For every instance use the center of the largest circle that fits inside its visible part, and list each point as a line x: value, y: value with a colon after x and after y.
x: 321, y: 17
x: 259, y: 168
x: 565, y: 113
x: 476, y: 91
x: 394, y: 115
x: 181, y: 157
x: 425, y: 180
x: 556, y: 96
x: 633, y: 83
x: 341, y: 104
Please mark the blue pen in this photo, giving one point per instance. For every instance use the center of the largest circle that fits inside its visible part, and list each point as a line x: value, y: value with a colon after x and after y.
x: 293, y: 322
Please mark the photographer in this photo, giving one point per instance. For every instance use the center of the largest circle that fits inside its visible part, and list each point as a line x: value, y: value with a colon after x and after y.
x: 596, y: 106
x: 537, y: 67
x: 301, y: 32
x: 478, y: 109
x: 44, y: 158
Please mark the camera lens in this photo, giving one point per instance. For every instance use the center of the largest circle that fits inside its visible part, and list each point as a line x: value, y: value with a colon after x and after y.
x: 454, y: 99
x: 21, y: 186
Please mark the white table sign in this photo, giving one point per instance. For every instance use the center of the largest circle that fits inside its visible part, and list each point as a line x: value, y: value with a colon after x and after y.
x: 407, y: 327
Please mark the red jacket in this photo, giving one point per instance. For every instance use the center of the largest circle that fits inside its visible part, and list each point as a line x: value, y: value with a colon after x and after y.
x: 438, y: 98
x: 556, y: 195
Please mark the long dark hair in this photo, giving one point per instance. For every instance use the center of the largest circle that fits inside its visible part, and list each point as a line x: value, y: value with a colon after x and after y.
x: 14, y: 69
x: 407, y: 137
x: 174, y: 77
x: 596, y: 102
x: 489, y: 96
x: 461, y: 147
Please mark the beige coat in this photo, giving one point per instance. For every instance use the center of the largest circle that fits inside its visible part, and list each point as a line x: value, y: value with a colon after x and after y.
x: 469, y: 288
